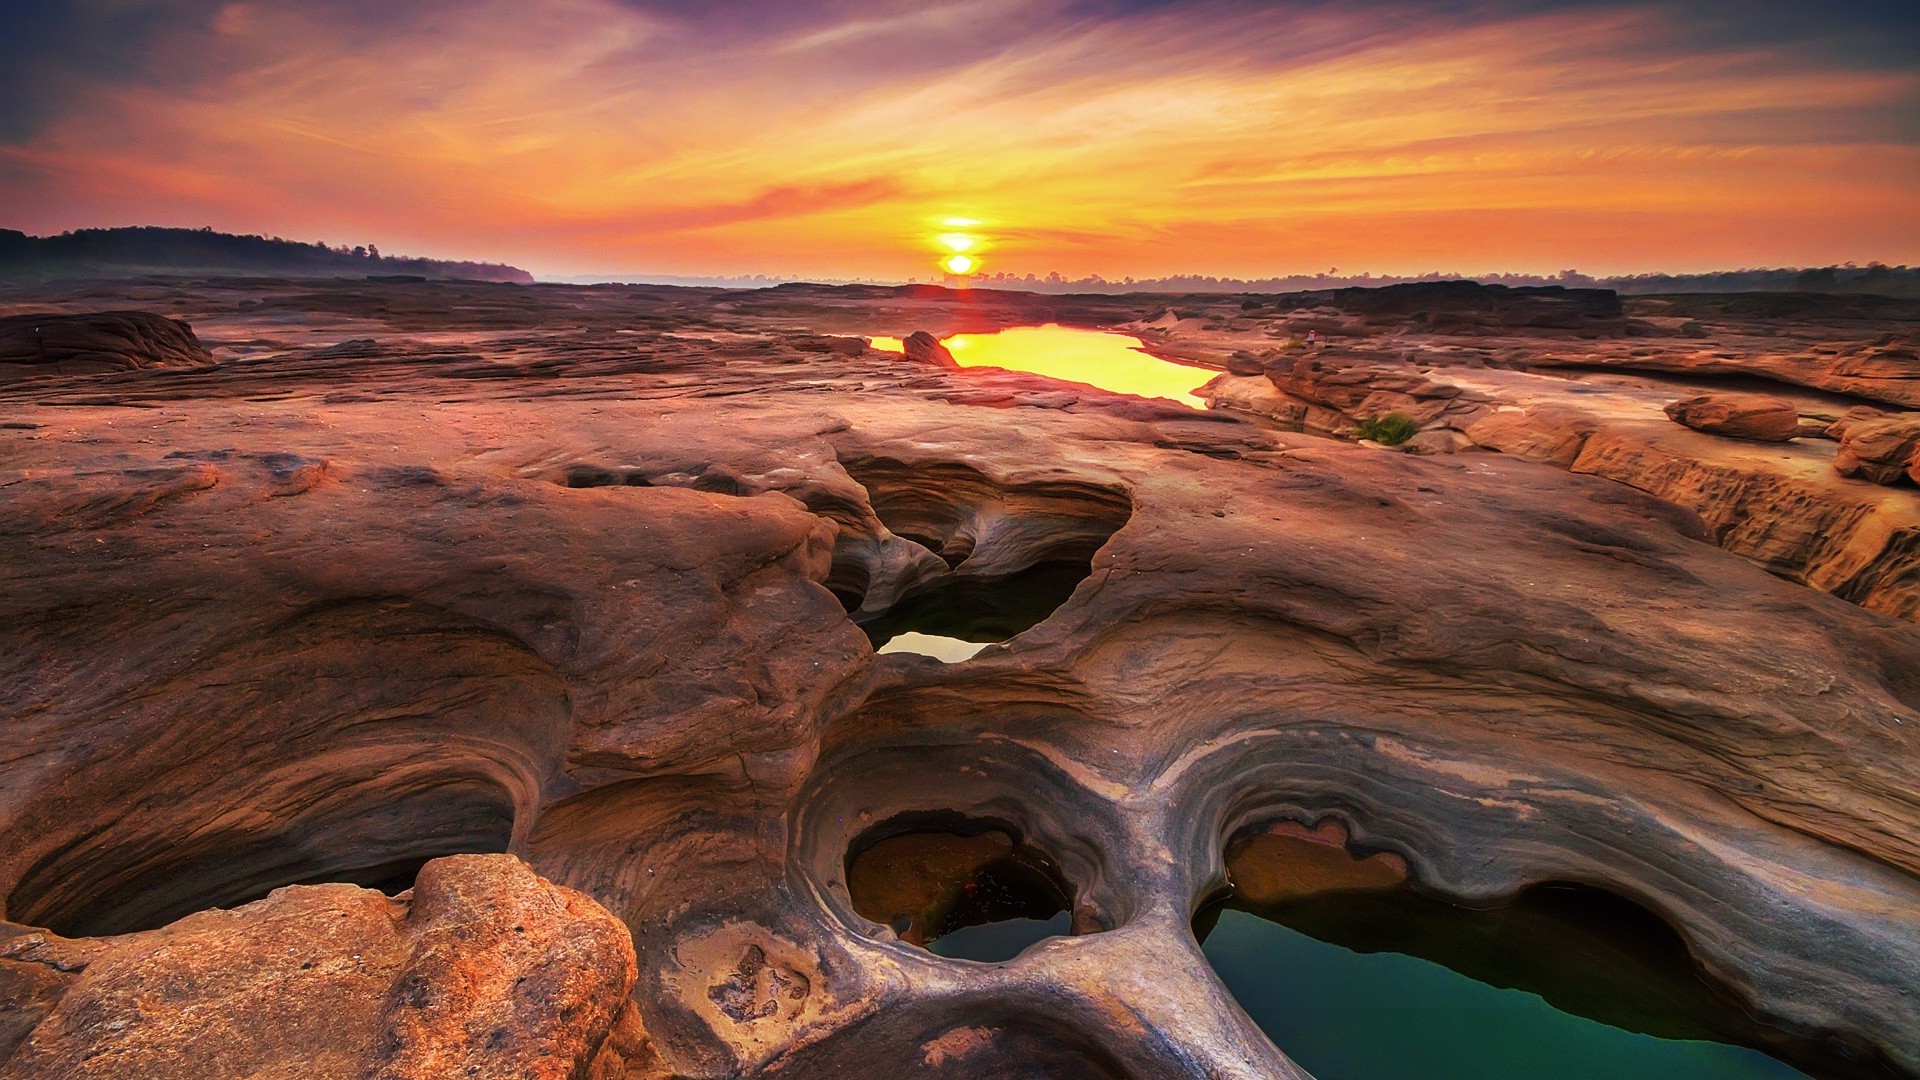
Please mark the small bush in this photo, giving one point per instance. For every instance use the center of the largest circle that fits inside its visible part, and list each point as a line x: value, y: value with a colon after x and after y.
x: 1391, y: 429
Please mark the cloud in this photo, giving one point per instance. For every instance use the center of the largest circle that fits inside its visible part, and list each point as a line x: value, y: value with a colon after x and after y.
x: 1121, y: 138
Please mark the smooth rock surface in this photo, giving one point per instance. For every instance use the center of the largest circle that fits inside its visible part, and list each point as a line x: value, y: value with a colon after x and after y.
x: 569, y: 573
x: 1738, y: 416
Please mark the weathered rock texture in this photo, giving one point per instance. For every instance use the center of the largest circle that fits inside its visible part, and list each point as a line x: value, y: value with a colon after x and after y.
x: 569, y: 576
x: 1884, y: 450
x: 1804, y: 511
x: 1738, y: 416
x: 482, y: 970
x: 923, y: 348
x: 54, y: 344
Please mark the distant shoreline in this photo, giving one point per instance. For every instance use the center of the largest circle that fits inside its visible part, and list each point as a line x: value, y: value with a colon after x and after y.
x: 138, y: 251
x: 141, y: 251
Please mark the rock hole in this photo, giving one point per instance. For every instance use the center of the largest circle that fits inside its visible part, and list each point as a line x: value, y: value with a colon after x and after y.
x: 380, y: 845
x: 979, y: 611
x: 958, y: 887
x: 589, y: 476
x: 1009, y: 554
x: 848, y: 579
x: 1354, y: 972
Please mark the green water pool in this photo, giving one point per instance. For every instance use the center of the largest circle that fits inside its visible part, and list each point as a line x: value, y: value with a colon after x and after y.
x: 1347, y: 1015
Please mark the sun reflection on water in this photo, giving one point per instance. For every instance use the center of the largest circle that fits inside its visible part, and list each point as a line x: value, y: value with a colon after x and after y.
x: 1109, y: 361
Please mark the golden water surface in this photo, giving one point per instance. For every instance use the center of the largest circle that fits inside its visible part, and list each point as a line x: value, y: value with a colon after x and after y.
x: 1109, y: 361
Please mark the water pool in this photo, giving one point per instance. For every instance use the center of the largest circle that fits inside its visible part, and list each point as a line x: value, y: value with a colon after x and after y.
x: 1109, y: 361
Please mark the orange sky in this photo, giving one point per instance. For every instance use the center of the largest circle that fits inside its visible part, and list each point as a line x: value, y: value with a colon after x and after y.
x: 585, y: 136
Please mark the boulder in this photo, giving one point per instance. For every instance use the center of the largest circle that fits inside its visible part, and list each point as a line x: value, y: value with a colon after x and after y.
x: 1738, y: 416
x: 1437, y: 441
x: 55, y: 344
x: 923, y: 348
x: 1881, y: 450
x: 482, y: 969
x: 1547, y: 433
x: 1246, y: 363
x: 1838, y: 429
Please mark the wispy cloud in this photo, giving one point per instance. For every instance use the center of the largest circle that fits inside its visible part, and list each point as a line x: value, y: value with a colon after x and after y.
x: 1119, y: 139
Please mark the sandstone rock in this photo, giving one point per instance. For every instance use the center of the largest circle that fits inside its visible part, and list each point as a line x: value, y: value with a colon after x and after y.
x: 322, y: 618
x: 1886, y: 374
x: 1879, y: 450
x: 482, y: 970
x: 1469, y: 303
x: 1543, y: 433
x: 1437, y: 441
x: 923, y: 348
x: 1345, y: 390
x: 1838, y: 429
x: 53, y: 344
x: 1245, y: 363
x: 1762, y: 419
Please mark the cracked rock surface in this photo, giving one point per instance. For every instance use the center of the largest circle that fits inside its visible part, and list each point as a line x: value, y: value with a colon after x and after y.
x: 439, y: 582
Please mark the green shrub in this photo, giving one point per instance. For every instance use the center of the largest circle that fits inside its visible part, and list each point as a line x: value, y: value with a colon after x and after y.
x: 1391, y: 429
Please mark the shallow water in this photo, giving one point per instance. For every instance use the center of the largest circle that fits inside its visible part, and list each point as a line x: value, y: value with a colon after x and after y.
x: 999, y: 942
x: 1109, y: 361
x: 949, y: 650
x: 1350, y: 1015
x: 946, y: 618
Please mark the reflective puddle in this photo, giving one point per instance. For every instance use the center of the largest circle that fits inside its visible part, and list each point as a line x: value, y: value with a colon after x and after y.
x: 957, y: 617
x: 967, y: 892
x: 999, y: 942
x: 1108, y: 361
x: 1358, y: 977
x: 949, y: 650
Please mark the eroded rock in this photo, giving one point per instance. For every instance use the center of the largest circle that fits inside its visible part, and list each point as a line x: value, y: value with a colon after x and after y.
x: 588, y: 595
x: 1762, y: 419
x: 60, y: 344
x: 923, y: 348
x: 482, y: 970
x: 1881, y: 450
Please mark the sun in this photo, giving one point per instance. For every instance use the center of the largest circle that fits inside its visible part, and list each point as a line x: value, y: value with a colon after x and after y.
x: 958, y: 244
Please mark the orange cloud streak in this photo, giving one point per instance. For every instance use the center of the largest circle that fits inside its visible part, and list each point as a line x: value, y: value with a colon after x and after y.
x: 584, y: 135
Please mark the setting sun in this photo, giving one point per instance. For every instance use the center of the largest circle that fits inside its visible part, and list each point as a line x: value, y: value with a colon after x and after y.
x: 959, y: 264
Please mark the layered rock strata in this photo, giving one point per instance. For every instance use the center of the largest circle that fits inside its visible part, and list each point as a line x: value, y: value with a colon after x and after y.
x: 583, y: 596
x: 61, y: 344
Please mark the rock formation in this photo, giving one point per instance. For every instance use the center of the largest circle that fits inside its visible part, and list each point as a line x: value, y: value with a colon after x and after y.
x: 577, y: 578
x: 1883, y: 450
x: 1560, y: 401
x: 56, y: 344
x: 482, y: 969
x: 923, y: 348
x: 1738, y: 416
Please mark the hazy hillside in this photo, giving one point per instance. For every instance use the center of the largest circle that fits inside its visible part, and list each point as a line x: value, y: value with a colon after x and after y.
x: 127, y: 252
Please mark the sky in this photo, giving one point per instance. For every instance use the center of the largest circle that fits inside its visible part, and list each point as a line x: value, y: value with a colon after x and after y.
x: 837, y: 138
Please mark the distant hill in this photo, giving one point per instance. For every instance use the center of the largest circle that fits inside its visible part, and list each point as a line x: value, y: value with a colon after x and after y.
x: 137, y: 251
